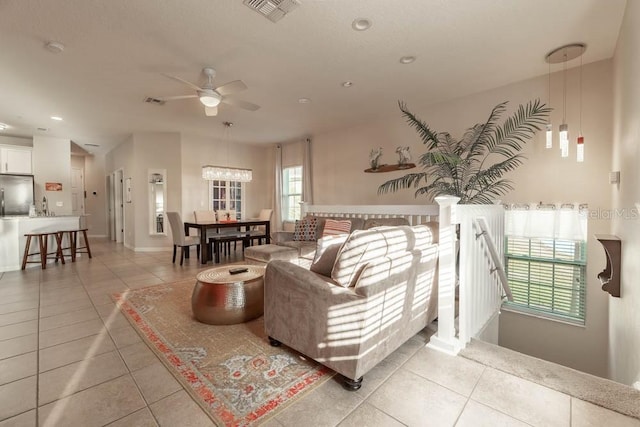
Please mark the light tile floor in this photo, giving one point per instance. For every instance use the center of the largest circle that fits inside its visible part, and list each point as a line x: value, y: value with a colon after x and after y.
x: 69, y: 358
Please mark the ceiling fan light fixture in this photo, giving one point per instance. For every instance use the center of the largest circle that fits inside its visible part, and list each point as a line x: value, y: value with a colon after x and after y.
x: 210, y: 99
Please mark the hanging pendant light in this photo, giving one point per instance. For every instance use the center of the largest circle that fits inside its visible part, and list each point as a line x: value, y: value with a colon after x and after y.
x: 580, y: 142
x: 564, y: 54
x: 225, y: 173
x: 549, y: 143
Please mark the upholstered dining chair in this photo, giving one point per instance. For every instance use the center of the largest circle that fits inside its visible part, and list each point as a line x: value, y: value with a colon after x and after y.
x: 258, y: 232
x: 180, y: 238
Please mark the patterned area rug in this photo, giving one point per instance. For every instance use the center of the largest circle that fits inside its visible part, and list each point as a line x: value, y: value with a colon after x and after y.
x: 231, y: 371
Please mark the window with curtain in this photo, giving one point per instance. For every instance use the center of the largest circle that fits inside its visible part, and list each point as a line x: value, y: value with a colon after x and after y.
x: 291, y: 192
x: 227, y: 195
x: 546, y: 260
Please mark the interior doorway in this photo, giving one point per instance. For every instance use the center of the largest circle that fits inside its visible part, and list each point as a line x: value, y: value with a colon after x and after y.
x: 77, y: 191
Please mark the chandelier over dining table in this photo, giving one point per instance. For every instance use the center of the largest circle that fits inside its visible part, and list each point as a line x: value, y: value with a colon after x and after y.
x: 226, y: 173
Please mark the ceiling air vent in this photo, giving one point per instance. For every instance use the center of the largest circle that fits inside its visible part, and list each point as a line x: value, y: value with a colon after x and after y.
x: 274, y: 10
x: 156, y: 101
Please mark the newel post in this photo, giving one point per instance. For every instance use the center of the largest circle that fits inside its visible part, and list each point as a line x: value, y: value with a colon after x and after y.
x: 445, y: 339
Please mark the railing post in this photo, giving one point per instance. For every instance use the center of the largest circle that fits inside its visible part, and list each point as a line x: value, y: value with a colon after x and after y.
x: 445, y: 339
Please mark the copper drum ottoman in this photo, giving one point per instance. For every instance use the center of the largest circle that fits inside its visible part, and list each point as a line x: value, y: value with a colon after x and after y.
x: 222, y: 298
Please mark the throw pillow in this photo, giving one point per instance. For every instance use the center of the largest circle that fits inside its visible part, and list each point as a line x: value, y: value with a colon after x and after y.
x: 327, y: 250
x: 333, y: 227
x: 305, y: 230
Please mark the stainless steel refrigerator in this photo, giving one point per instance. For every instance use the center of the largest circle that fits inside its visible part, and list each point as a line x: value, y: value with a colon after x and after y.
x: 16, y: 194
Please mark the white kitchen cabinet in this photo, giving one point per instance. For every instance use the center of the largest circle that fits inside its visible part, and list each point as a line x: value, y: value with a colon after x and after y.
x: 15, y: 159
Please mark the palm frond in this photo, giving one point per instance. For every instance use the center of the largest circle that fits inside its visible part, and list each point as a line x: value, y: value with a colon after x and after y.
x: 409, y: 180
x: 428, y: 136
x: 457, y: 167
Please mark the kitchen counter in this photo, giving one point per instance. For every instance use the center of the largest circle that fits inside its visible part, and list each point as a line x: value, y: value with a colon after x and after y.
x: 13, y: 229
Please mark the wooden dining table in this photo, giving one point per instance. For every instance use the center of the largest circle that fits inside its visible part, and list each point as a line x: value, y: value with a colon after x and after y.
x: 241, y: 225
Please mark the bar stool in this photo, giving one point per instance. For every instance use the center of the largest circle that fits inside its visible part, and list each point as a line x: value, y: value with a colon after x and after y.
x: 43, y: 242
x: 72, y: 237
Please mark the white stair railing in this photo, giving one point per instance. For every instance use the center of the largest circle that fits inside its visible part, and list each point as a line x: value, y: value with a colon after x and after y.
x: 480, y: 290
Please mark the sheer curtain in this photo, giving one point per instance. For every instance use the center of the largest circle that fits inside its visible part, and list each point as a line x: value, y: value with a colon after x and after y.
x: 307, y: 192
x: 278, y: 184
x: 553, y: 221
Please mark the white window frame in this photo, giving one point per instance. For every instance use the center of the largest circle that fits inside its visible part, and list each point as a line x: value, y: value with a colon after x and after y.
x: 292, y: 179
x: 546, y: 279
x: 229, y: 203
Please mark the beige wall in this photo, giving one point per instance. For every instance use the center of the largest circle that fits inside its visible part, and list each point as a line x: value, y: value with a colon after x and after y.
x: 51, y: 160
x: 199, y: 151
x: 624, y: 312
x: 122, y: 158
x: 340, y: 158
x: 154, y: 150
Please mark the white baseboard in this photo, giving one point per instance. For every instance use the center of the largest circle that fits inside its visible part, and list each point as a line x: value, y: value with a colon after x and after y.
x: 448, y: 346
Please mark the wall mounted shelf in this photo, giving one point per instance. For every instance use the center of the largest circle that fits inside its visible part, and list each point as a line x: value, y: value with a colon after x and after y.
x: 610, y: 276
x: 391, y: 168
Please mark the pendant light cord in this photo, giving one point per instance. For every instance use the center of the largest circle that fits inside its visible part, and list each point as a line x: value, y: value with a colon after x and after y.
x: 564, y: 90
x: 581, y: 95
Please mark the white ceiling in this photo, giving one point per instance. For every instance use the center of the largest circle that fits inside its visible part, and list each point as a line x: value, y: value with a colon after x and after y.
x: 116, y: 51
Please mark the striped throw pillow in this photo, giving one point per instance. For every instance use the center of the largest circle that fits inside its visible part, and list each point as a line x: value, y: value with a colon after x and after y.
x: 333, y: 227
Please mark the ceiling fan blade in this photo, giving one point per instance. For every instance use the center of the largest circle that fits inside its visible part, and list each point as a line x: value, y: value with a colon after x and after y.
x: 242, y: 104
x: 191, y: 85
x: 173, y: 98
x: 211, y: 111
x: 231, y: 87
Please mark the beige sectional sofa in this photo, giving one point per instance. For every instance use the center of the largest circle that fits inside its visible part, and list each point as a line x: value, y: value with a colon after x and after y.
x: 365, y: 294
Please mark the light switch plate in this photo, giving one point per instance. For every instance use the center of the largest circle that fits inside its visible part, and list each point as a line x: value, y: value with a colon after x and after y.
x: 614, y: 177
x: 59, y: 204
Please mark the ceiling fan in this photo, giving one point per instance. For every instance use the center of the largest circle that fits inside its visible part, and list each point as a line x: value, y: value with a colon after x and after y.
x: 211, y: 96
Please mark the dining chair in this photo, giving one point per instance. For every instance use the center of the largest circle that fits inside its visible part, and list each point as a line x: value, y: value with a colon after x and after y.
x: 180, y: 238
x: 259, y: 232
x: 212, y: 235
x: 229, y: 235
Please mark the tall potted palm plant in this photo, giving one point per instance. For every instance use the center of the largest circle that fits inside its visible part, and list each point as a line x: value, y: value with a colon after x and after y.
x: 472, y: 167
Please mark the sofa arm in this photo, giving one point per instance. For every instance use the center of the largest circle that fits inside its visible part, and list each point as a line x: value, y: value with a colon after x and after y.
x: 308, y: 312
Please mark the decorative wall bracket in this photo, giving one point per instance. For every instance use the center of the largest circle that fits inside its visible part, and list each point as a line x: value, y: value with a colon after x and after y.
x: 610, y: 276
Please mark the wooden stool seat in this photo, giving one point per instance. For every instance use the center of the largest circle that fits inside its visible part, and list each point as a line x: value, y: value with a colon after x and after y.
x: 43, y: 242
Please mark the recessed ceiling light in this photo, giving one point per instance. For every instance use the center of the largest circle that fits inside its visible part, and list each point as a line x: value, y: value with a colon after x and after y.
x: 304, y: 100
x: 54, y: 47
x: 407, y: 59
x: 347, y: 84
x: 361, y: 24
x: 56, y: 118
x: 3, y: 126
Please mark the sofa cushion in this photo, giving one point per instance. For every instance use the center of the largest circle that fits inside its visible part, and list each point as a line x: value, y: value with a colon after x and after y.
x: 333, y: 227
x: 305, y: 230
x: 384, y: 222
x: 326, y: 251
x: 364, y: 246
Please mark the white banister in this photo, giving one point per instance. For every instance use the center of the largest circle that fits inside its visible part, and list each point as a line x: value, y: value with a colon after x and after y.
x: 498, y: 265
x: 480, y: 291
x: 445, y: 339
